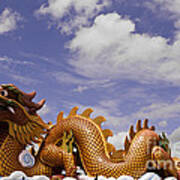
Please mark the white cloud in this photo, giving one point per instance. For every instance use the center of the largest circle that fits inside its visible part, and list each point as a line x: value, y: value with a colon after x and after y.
x: 80, y: 89
x: 149, y: 176
x: 173, y: 5
x: 10, y: 60
x: 113, y: 117
x: 58, y: 9
x: 69, y: 178
x: 63, y: 77
x: 174, y: 138
x: 81, y: 83
x: 177, y: 24
x: 44, y: 110
x: 175, y: 149
x: 9, y: 20
x: 36, y: 56
x: 169, y: 9
x: 111, y: 49
x: 23, y: 79
x: 118, y: 140
x: 8, y: 64
x: 55, y: 8
x: 4, y: 58
x: 83, y: 10
x: 150, y: 5
x: 163, y: 123
x: 18, y: 175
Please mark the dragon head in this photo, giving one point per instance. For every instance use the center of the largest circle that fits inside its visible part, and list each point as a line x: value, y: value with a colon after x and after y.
x: 161, y: 156
x: 10, y: 91
x: 18, y: 110
x: 164, y: 142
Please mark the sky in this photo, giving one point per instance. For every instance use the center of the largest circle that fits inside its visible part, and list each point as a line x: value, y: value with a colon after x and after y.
x: 119, y: 57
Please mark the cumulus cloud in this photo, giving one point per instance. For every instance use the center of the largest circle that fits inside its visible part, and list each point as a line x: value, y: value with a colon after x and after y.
x: 175, y: 149
x: 110, y: 48
x: 18, y: 175
x: 44, y: 110
x: 77, y: 12
x: 174, y: 138
x: 168, y: 8
x: 118, y: 140
x: 9, y: 20
x: 173, y: 6
x: 148, y: 176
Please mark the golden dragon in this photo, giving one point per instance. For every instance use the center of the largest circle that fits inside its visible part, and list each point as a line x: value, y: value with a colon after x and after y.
x: 20, y: 125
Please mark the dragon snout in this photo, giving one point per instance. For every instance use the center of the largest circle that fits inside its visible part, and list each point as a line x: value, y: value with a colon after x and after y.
x: 163, y: 160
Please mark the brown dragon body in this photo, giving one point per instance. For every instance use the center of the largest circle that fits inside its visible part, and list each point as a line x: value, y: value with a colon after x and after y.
x: 20, y: 125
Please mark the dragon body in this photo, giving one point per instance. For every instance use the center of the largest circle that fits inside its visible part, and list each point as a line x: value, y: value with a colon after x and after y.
x: 20, y: 125
x: 95, y: 153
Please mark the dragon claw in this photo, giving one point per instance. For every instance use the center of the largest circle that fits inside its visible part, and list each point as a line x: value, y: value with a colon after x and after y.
x: 67, y: 141
x: 57, y: 177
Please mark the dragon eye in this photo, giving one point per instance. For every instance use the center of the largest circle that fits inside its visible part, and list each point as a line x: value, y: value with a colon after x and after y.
x: 4, y: 93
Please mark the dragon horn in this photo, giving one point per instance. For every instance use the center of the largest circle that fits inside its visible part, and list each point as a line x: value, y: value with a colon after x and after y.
x: 31, y: 95
x: 160, y: 137
x: 40, y: 104
x: 163, y: 134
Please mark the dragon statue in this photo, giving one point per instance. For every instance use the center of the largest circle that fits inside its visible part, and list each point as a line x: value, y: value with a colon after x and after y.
x: 20, y: 125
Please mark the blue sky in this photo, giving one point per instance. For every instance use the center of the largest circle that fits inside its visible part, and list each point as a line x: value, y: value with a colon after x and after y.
x: 119, y: 57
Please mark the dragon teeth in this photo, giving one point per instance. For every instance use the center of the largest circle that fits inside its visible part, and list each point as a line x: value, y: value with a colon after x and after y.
x: 11, y: 109
x: 74, y: 149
